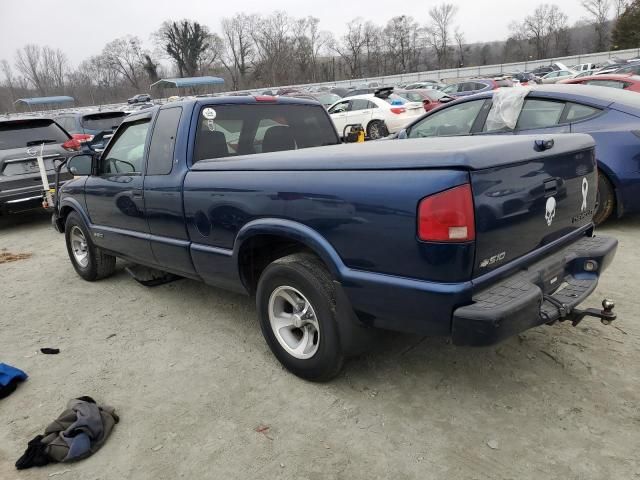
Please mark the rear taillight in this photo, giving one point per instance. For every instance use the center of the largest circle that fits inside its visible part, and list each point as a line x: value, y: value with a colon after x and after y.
x: 82, y: 137
x: 447, y: 216
x: 398, y: 110
x: 72, y: 145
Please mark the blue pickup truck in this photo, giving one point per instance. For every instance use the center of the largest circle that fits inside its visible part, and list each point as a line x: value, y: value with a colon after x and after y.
x: 473, y: 238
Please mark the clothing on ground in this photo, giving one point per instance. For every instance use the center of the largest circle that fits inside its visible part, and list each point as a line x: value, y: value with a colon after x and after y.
x: 78, y: 432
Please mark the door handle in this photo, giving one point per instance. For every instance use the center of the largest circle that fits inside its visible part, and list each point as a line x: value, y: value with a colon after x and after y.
x: 136, y: 194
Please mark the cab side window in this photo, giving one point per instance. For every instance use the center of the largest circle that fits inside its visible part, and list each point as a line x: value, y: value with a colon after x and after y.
x: 125, y: 154
x: 163, y: 141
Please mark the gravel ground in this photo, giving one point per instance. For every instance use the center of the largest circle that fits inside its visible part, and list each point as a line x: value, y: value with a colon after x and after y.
x: 200, y: 395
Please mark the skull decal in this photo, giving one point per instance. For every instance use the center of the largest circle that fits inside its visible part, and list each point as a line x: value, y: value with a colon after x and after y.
x: 550, y: 211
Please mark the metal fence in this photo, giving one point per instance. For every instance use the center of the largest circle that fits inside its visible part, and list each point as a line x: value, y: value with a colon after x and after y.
x: 468, y: 72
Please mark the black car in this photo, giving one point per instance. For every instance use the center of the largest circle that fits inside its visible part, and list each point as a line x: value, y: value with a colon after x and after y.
x: 93, y: 128
x: 21, y: 142
x: 140, y: 98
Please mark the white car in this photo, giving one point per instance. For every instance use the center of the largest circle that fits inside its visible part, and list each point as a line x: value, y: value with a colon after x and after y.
x: 378, y: 116
x: 554, y: 77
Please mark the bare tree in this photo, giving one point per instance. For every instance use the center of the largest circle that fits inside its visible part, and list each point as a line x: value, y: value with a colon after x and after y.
x: 438, y: 31
x: 352, y: 47
x: 619, y: 6
x: 373, y: 64
x: 29, y: 64
x: 239, y: 48
x: 125, y: 56
x: 271, y: 36
x: 458, y: 36
x: 187, y: 43
x: 599, y: 12
x: 401, y: 37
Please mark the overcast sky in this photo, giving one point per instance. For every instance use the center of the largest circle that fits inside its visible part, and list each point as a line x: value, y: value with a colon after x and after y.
x: 81, y: 28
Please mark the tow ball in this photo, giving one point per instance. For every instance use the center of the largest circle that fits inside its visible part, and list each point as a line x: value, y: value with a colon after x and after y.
x: 606, y: 315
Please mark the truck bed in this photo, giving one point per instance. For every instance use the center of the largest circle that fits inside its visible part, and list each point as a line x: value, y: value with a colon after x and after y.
x: 465, y: 152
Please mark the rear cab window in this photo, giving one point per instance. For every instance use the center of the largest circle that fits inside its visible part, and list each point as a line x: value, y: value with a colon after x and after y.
x: 235, y: 129
x: 27, y: 133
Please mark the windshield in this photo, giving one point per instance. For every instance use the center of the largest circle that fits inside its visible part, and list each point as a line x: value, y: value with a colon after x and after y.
x: 26, y: 133
x: 103, y: 121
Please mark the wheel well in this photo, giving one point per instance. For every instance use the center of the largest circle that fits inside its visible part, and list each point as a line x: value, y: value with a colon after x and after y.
x: 62, y: 218
x: 259, y: 251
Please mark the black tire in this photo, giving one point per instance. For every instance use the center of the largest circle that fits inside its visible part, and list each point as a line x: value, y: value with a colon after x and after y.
x: 305, y: 273
x: 605, y: 201
x: 376, y: 130
x: 98, y: 265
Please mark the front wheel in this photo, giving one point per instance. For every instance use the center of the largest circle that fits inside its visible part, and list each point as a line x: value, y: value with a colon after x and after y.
x: 296, y: 308
x: 89, y: 262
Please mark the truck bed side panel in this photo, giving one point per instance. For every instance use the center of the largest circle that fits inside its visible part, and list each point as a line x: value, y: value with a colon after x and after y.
x: 369, y: 217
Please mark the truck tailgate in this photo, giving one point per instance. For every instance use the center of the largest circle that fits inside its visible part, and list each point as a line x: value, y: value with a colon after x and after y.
x: 523, y: 206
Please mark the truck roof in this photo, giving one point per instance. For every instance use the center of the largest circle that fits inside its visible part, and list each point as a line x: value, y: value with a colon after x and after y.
x: 463, y: 152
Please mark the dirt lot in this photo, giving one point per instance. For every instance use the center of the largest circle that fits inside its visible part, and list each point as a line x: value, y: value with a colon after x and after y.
x: 192, y: 380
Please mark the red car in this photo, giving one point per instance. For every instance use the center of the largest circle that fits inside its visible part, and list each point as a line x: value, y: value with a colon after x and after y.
x: 430, y: 98
x: 626, y: 81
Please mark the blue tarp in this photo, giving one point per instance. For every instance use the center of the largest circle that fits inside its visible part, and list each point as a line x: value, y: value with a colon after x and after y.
x: 45, y: 100
x: 187, y: 82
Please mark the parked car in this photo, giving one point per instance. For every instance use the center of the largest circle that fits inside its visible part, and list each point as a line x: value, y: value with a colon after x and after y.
x: 610, y: 116
x: 584, y: 67
x: 425, y: 84
x: 585, y: 73
x: 297, y: 231
x: 378, y: 115
x: 359, y: 91
x: 623, y: 82
x: 543, y: 70
x: 633, y: 68
x: 556, y: 76
x: 85, y: 126
x: 473, y: 86
x: 140, y: 98
x: 430, y: 98
x: 526, y: 78
x: 341, y: 92
x: 20, y: 143
x: 325, y: 98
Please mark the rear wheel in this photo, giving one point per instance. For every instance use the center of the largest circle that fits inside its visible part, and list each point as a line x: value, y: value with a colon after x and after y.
x: 296, y: 308
x: 89, y: 261
x: 376, y: 129
x: 605, y: 200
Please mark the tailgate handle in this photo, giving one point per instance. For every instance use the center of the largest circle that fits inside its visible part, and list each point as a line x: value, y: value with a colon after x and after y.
x: 551, y: 186
x: 542, y: 145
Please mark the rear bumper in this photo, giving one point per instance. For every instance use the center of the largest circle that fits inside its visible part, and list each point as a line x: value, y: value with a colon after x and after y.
x: 19, y: 201
x: 518, y: 303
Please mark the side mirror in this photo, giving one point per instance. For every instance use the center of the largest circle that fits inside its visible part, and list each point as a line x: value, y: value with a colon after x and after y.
x: 80, y: 165
x: 402, y: 134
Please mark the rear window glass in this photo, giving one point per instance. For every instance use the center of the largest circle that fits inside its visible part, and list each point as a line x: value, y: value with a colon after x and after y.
x: 103, y: 121
x: 26, y: 133
x: 230, y: 130
x: 539, y: 114
x: 577, y: 112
